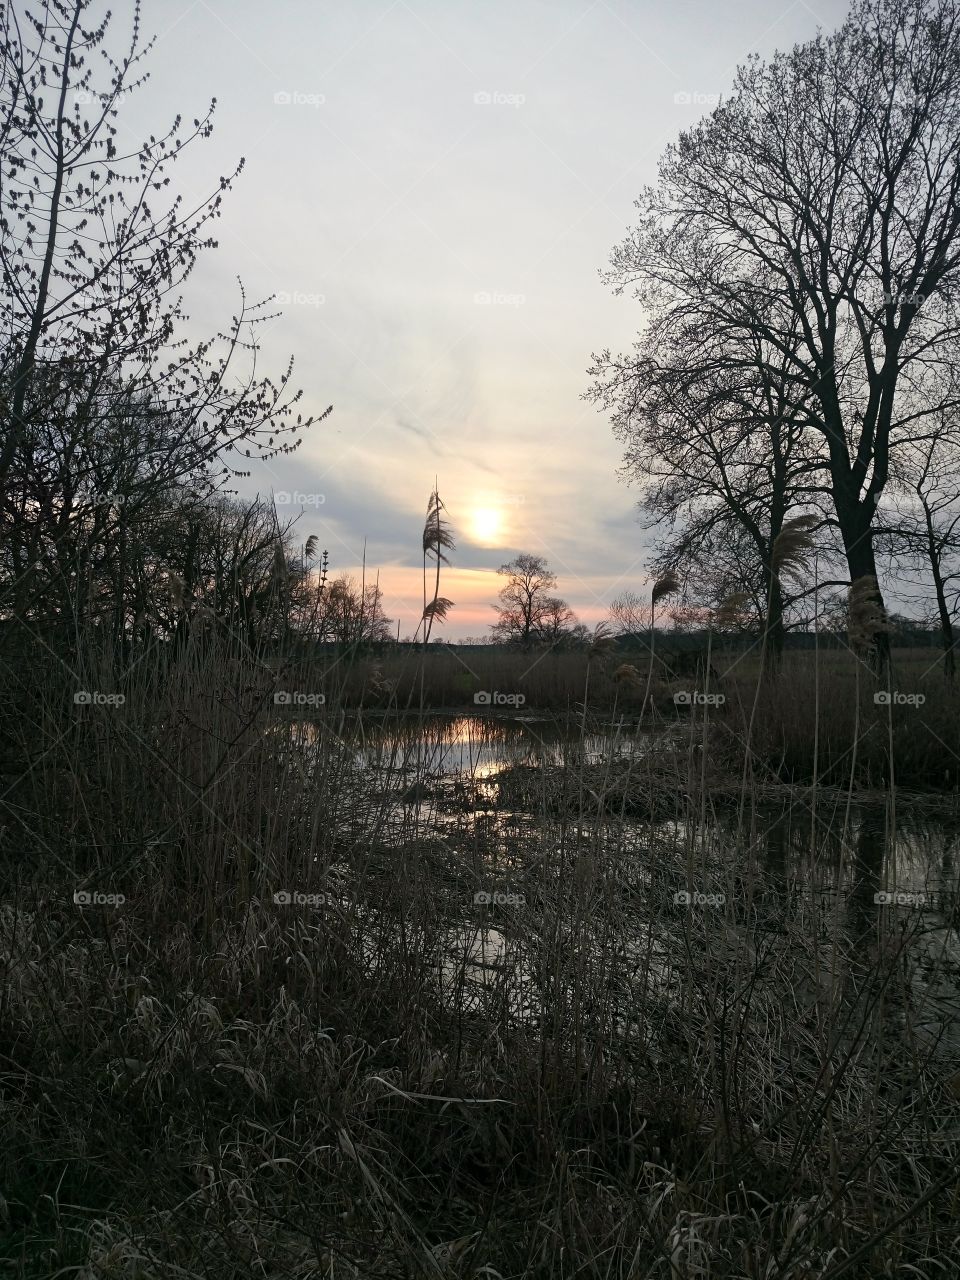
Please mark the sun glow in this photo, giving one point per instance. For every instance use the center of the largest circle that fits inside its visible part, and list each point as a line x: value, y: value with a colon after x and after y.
x: 486, y: 525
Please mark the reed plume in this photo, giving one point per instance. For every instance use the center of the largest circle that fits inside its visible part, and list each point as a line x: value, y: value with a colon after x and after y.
x: 627, y: 674
x: 437, y: 540
x: 668, y: 584
x: 438, y: 608
x: 176, y: 588
x: 437, y: 534
x: 729, y: 611
x: 792, y: 545
x: 602, y: 641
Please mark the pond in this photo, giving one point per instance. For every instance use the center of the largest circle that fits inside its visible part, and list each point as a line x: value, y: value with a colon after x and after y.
x: 774, y: 876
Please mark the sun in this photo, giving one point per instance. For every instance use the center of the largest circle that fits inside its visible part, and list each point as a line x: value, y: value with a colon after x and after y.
x: 486, y: 525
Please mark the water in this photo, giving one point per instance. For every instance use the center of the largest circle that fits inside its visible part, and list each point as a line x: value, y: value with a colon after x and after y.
x: 481, y: 747
x: 784, y: 867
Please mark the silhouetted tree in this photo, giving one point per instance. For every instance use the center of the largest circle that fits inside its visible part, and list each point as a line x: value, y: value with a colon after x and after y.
x: 104, y: 408
x: 352, y: 616
x: 526, y: 604
x: 823, y: 195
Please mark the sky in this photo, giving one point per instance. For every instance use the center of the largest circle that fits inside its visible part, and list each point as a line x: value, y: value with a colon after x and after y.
x: 432, y: 189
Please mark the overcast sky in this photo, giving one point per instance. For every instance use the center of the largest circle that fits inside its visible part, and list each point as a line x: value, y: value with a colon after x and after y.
x: 434, y: 187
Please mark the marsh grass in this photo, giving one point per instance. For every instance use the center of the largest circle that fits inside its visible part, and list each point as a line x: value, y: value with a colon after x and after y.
x: 585, y: 1080
x: 793, y: 738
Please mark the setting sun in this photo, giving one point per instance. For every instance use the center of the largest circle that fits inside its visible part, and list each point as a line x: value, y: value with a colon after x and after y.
x: 486, y: 525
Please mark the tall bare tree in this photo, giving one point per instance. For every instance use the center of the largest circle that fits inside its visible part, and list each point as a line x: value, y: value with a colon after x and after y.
x: 824, y: 195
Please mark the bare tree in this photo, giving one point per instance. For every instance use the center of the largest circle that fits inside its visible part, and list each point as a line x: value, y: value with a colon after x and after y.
x: 100, y: 400
x: 354, y: 616
x: 558, y: 623
x: 714, y: 439
x: 526, y: 603
x: 826, y: 194
x: 628, y: 613
x: 922, y: 523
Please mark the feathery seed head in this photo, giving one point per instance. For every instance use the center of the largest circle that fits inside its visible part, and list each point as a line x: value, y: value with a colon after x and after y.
x: 666, y: 585
x: 793, y: 544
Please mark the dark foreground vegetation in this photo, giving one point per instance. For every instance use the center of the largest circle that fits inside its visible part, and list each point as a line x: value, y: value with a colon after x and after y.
x: 387, y: 1079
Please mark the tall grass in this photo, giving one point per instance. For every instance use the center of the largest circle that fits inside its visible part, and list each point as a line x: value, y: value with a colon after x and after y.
x: 586, y: 1079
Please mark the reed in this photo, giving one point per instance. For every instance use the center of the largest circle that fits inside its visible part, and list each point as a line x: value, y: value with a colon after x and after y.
x: 389, y: 1078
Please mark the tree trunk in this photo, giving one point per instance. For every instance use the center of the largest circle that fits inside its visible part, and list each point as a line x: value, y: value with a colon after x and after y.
x: 856, y: 528
x: 775, y: 630
x: 943, y: 610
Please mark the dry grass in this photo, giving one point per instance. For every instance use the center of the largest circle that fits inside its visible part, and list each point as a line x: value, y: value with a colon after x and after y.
x: 840, y: 700
x: 203, y: 1082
